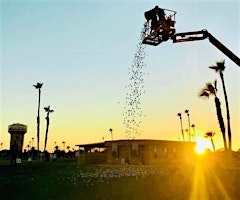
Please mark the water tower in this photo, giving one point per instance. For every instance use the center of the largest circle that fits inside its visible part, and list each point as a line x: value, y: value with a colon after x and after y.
x: 17, y: 132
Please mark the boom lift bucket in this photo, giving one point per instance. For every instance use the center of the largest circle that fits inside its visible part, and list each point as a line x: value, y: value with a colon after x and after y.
x: 159, y: 26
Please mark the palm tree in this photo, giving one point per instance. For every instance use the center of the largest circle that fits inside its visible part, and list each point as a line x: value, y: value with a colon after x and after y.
x: 38, y: 86
x: 48, y: 110
x: 193, y: 127
x: 210, y: 135
x: 189, y: 131
x: 68, y: 148
x: 207, y: 91
x: 219, y: 68
x: 56, y: 148
x: 63, y: 143
x: 180, y: 117
x: 111, y: 131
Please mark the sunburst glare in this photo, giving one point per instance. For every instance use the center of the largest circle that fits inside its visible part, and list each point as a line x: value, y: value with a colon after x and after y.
x: 202, y: 145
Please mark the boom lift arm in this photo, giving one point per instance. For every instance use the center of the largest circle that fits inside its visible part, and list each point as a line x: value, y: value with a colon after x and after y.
x: 201, y: 35
x: 160, y: 27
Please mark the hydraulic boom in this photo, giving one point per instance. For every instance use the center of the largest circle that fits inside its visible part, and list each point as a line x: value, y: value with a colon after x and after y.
x: 201, y: 35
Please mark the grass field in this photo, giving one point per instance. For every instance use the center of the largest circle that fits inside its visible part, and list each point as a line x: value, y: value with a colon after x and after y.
x: 67, y: 180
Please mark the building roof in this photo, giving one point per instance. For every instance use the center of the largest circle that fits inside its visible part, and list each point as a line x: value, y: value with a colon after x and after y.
x: 92, y: 145
x: 103, y: 144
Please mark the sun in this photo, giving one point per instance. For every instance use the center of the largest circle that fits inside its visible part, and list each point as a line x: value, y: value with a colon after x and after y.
x: 202, y: 145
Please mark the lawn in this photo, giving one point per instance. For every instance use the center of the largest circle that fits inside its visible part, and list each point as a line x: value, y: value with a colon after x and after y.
x: 67, y: 180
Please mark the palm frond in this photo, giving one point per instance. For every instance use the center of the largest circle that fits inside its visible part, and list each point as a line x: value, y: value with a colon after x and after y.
x: 221, y: 65
x: 211, y: 88
x: 215, y: 68
x: 209, y: 134
x: 38, y: 85
x: 203, y: 93
x: 47, y: 108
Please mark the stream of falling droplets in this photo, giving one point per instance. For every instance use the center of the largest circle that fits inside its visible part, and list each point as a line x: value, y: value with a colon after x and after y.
x: 133, y: 110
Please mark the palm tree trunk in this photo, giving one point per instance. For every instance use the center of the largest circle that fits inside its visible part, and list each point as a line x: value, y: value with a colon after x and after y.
x: 46, y: 135
x: 182, y: 129
x: 213, y: 145
x: 220, y: 120
x: 189, y: 131
x: 228, y: 113
x: 38, y: 121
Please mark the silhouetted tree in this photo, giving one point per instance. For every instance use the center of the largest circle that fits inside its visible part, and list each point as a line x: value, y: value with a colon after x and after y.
x: 193, y: 127
x: 48, y: 110
x: 180, y: 117
x: 207, y: 91
x: 63, y: 143
x: 111, y: 131
x: 219, y: 68
x: 68, y: 147
x: 38, y: 86
x: 210, y: 135
x: 189, y: 131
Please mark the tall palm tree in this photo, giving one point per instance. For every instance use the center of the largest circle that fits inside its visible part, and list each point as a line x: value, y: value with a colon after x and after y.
x: 180, y: 117
x: 210, y: 135
x: 38, y: 86
x: 186, y: 130
x: 48, y: 110
x: 111, y: 131
x: 189, y: 131
x: 193, y: 127
x: 211, y: 90
x: 219, y: 68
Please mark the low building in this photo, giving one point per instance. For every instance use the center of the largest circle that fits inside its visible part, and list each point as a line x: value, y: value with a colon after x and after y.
x: 146, y: 152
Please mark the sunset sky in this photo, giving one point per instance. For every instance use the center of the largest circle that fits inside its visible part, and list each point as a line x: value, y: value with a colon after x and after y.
x: 82, y: 51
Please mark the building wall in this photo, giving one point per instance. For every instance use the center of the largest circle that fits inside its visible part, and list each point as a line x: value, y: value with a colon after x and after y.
x: 92, y: 158
x: 18, y: 138
x: 149, y: 152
